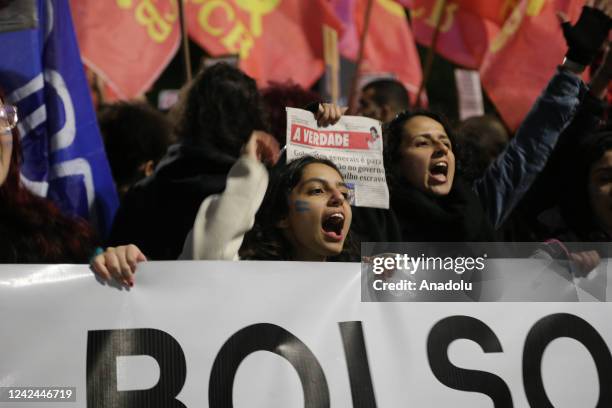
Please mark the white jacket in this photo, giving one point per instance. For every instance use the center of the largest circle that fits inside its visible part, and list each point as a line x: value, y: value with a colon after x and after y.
x: 223, y: 219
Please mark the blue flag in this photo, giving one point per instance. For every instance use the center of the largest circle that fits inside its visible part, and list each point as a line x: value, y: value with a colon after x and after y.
x: 42, y: 73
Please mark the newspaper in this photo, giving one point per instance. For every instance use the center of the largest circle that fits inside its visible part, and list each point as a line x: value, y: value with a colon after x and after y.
x: 354, y: 144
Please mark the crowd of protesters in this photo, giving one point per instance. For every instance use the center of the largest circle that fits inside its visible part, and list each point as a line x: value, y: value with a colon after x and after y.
x: 212, y: 183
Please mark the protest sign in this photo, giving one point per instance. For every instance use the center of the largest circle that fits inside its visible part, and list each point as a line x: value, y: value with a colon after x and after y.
x: 354, y: 144
x: 277, y: 334
x: 469, y: 92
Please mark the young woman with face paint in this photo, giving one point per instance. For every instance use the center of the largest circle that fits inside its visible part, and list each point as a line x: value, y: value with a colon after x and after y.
x: 304, y: 216
x: 301, y: 214
x: 32, y: 229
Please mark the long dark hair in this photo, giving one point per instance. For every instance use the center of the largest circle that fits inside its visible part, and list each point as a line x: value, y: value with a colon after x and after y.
x: 394, y: 134
x: 32, y: 229
x: 266, y: 241
x: 221, y: 109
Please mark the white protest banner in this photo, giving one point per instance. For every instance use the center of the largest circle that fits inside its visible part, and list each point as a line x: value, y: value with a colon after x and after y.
x: 354, y: 144
x: 280, y: 334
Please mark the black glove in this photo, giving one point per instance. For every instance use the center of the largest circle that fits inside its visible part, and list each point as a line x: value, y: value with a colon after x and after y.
x: 586, y: 37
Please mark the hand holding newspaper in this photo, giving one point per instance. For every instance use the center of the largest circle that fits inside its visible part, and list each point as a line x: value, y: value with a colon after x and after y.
x: 354, y: 144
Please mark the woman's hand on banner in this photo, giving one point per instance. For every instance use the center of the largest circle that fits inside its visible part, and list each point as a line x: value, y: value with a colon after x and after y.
x: 585, y: 262
x: 118, y: 263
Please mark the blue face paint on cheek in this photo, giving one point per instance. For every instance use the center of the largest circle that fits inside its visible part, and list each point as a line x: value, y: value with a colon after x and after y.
x: 301, y: 206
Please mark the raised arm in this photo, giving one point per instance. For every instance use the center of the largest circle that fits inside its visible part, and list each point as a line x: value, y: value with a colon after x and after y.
x: 510, y: 176
x: 223, y: 219
x: 550, y: 185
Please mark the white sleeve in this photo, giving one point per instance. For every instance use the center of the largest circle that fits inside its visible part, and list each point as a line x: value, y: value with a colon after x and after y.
x: 223, y: 219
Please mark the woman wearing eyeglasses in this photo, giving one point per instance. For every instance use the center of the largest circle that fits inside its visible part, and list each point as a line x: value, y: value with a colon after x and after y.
x: 32, y: 229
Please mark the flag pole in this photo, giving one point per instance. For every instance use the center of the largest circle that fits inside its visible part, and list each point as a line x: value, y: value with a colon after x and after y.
x: 430, y: 54
x: 185, y: 46
x: 354, y: 85
x: 332, y: 62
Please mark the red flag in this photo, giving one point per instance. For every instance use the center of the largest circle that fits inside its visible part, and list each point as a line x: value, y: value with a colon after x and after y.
x: 389, y: 45
x: 523, y: 57
x: 406, y: 3
x: 466, y: 27
x: 277, y: 40
x: 127, y: 42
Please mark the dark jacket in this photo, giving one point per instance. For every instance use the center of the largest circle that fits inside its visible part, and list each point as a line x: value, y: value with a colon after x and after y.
x: 457, y: 216
x: 505, y: 181
x: 538, y: 216
x: 511, y: 175
x: 158, y: 212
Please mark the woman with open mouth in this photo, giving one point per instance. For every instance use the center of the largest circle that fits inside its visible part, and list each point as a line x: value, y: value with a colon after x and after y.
x: 304, y: 215
x: 432, y: 201
x: 299, y: 212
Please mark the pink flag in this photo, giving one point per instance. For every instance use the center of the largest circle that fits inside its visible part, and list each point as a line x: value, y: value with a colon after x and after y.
x: 128, y: 43
x: 389, y: 44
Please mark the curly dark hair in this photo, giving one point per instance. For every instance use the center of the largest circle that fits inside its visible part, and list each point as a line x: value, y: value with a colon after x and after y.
x: 266, y: 241
x: 221, y: 109
x: 394, y: 133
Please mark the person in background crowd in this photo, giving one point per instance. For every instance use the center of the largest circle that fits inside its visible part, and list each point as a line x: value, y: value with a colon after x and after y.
x: 588, y: 214
x: 435, y: 204
x: 221, y: 109
x: 482, y: 139
x: 587, y: 205
x: 303, y: 214
x: 32, y: 229
x: 383, y: 99
x: 136, y: 136
x: 278, y: 96
x: 538, y: 217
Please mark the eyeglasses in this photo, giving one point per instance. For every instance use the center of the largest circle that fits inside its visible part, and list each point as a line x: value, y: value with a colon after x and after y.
x: 8, y: 117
